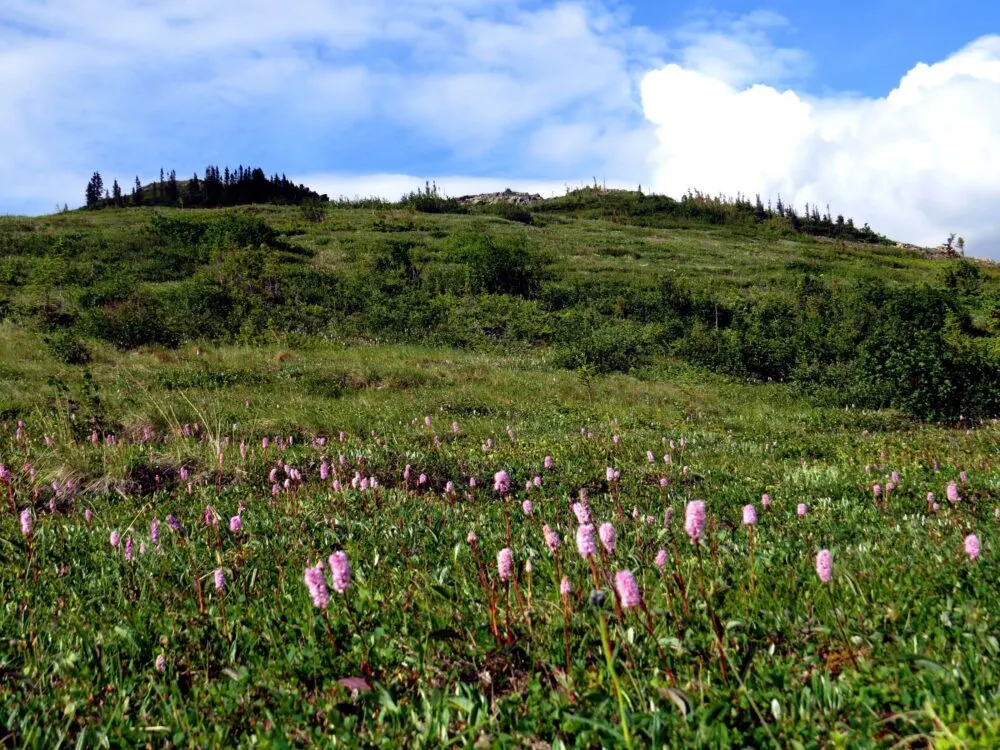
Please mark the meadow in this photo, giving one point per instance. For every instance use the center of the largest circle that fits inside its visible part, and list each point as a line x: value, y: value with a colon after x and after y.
x: 404, y: 478
x: 137, y: 610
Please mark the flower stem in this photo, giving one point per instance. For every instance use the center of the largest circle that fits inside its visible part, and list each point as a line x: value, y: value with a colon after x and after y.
x: 605, y: 641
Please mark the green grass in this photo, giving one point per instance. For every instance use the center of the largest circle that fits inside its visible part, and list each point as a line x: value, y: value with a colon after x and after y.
x: 727, y: 259
x: 82, y: 627
x: 748, y: 647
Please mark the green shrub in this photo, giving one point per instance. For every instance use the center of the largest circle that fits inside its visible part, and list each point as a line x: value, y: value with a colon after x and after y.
x: 613, y: 346
x: 67, y: 347
x: 503, y: 264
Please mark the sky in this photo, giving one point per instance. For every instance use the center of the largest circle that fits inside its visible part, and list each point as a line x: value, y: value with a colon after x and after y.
x: 888, y: 111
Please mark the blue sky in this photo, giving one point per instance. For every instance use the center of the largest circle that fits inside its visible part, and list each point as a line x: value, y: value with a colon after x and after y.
x: 855, y: 45
x: 889, y: 111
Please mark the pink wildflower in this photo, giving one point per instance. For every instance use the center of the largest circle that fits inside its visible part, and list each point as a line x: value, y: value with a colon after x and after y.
x: 115, y: 538
x: 694, y: 519
x: 552, y: 540
x: 505, y: 563
x: 661, y: 559
x: 565, y: 587
x: 952, y: 492
x: 585, y: 541
x: 972, y: 547
x: 236, y: 524
x: 606, y: 532
x: 26, y: 522
x: 628, y: 589
x: 340, y: 570
x: 802, y: 509
x: 824, y: 565
x: 749, y: 515
x: 501, y: 482
x: 527, y: 507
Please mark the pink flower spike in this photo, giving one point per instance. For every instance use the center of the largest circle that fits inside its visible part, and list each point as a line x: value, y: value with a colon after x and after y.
x: 749, y: 515
x: 628, y: 589
x: 552, y: 540
x: 765, y: 500
x: 235, y: 524
x: 606, y: 532
x: 527, y: 507
x: 505, y: 563
x: 220, y: 580
x: 316, y: 583
x: 952, y: 492
x: 471, y: 538
x: 582, y: 513
x: 565, y: 587
x: 972, y: 546
x: 802, y: 509
x: 26, y: 522
x: 824, y: 565
x: 340, y: 570
x: 694, y: 519
x: 661, y: 559
x: 585, y: 541
x: 501, y: 482
x: 115, y: 538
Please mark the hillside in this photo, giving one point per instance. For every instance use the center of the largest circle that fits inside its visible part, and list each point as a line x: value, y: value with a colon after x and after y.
x: 589, y: 281
x: 495, y: 475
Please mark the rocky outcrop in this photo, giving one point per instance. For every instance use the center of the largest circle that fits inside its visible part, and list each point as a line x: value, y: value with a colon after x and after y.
x: 507, y: 196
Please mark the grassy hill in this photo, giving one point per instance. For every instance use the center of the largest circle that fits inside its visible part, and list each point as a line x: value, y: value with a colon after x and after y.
x: 198, y: 406
x: 596, y: 282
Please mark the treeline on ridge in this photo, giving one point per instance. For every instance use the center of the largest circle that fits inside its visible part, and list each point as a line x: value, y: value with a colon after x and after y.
x: 237, y: 187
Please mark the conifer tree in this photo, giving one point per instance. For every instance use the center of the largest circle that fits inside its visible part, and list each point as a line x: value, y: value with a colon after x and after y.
x: 95, y: 191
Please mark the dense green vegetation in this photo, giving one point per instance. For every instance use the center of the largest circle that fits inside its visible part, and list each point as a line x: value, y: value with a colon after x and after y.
x: 602, y: 281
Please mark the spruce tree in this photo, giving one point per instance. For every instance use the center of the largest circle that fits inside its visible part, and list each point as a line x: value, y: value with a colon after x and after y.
x: 95, y: 191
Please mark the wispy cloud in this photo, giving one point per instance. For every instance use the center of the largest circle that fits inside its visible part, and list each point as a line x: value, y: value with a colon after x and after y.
x: 482, y: 85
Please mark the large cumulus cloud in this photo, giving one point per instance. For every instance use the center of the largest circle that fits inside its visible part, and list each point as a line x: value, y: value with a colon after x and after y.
x: 916, y: 164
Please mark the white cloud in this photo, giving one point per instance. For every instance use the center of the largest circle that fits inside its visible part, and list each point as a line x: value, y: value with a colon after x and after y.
x: 916, y: 164
x: 126, y: 86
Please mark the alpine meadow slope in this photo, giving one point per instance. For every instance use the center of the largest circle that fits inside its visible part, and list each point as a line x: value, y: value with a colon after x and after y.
x: 607, y: 470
